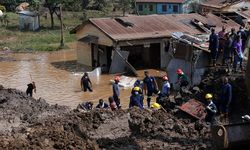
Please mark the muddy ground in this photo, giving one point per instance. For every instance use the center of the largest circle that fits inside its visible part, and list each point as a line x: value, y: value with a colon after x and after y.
x: 27, y: 123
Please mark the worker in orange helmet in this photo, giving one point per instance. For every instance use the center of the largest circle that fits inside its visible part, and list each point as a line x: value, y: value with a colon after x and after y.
x: 165, y: 91
x: 182, y: 78
x: 116, y: 91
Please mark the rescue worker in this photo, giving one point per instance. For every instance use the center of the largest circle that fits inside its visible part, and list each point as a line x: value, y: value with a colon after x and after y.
x: 227, y: 50
x: 238, y: 54
x: 86, y: 84
x: 222, y: 39
x: 211, y: 109
x: 31, y: 87
x: 156, y: 106
x: 112, y: 104
x: 243, y: 35
x: 213, y: 46
x: 165, y: 90
x: 138, y: 83
x: 182, y: 79
x: 116, y: 91
x: 226, y: 98
x: 232, y: 36
x: 136, y: 98
x: 102, y: 104
x: 85, y: 106
x: 150, y: 87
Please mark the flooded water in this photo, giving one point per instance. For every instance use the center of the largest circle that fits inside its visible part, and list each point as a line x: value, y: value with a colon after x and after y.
x: 56, y: 85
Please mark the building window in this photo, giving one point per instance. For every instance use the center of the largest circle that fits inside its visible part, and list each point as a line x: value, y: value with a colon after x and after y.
x: 175, y: 8
x: 140, y: 7
x: 145, y: 5
x: 151, y: 8
x: 164, y: 8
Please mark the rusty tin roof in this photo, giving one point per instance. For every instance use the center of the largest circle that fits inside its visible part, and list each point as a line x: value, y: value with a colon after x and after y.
x: 155, y: 26
x: 219, y: 3
x: 160, y: 1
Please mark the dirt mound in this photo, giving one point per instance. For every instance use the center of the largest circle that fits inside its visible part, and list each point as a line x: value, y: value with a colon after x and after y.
x: 212, y: 83
x: 27, y: 123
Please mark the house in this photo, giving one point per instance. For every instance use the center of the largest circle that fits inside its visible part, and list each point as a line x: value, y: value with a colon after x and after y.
x: 237, y: 10
x: 141, y: 41
x: 146, y: 7
x: 217, y: 5
x: 28, y: 20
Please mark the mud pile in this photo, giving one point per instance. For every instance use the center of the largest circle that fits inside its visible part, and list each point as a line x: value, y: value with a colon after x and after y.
x: 212, y: 83
x: 27, y: 123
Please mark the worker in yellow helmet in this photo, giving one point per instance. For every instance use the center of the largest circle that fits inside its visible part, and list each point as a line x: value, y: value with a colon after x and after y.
x: 211, y: 109
x: 136, y: 99
x: 156, y: 106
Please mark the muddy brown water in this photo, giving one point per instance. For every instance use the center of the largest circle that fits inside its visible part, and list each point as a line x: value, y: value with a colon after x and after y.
x: 56, y: 85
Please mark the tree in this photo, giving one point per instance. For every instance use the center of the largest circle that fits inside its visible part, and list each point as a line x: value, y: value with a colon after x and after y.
x: 125, y: 5
x: 53, y: 6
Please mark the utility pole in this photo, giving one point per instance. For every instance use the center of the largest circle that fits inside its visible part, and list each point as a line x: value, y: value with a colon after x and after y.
x: 61, y: 22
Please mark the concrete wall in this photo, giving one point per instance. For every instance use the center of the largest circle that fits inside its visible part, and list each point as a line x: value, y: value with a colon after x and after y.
x: 28, y: 23
x: 175, y: 64
x: 84, y: 49
x: 89, y: 29
x: 170, y: 9
x: 145, y: 8
x: 84, y: 53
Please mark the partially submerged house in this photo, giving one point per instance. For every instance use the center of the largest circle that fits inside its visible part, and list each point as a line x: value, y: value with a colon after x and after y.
x: 28, y: 20
x: 142, y: 41
x: 147, y: 7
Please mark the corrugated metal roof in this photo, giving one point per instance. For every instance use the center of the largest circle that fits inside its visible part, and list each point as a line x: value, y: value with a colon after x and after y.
x: 219, y: 3
x: 160, y: 1
x: 245, y: 14
x: 156, y: 26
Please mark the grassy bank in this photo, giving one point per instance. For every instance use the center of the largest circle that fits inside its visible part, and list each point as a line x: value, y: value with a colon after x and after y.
x: 46, y: 39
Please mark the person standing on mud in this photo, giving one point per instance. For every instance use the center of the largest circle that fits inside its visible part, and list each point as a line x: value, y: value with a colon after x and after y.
x: 31, y: 87
x: 182, y: 79
x: 86, y: 84
x: 232, y: 36
x: 222, y: 39
x: 165, y: 90
x: 226, y: 98
x: 150, y: 86
x: 238, y: 54
x: 227, y: 50
x: 116, y: 91
x: 213, y: 46
x: 211, y: 109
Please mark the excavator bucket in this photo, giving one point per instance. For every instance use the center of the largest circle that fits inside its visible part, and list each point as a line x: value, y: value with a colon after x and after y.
x: 231, y: 136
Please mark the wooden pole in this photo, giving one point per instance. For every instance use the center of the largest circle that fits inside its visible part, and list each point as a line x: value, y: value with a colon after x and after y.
x: 61, y: 22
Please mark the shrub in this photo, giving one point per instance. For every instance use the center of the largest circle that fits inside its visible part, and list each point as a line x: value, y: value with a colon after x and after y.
x: 2, y: 8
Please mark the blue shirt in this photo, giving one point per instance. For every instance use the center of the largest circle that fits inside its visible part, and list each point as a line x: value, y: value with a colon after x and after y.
x: 136, y: 100
x: 226, y: 95
x: 165, y: 88
x: 116, y: 90
x: 150, y: 82
x: 213, y: 42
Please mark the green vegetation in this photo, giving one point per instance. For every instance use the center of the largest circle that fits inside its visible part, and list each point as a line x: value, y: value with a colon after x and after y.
x: 45, y: 39
x: 48, y: 37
